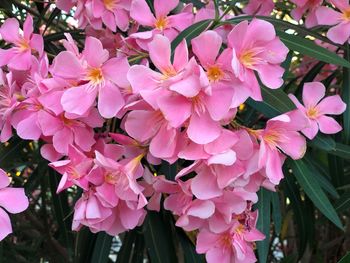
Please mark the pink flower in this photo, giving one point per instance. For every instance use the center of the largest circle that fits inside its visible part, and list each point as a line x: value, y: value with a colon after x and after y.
x: 19, y: 57
x: 255, y: 47
x: 13, y: 200
x: 150, y: 127
x: 281, y: 133
x: 143, y: 79
x: 316, y: 109
x: 73, y: 170
x: 117, y: 180
x: 340, y: 33
x: 309, y: 7
x: 259, y: 7
x: 161, y: 23
x: 113, y: 13
x: 9, y: 95
x: 217, y: 66
x: 96, y: 75
x: 232, y: 245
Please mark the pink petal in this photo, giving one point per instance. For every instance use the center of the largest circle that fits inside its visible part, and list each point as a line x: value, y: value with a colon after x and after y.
x: 62, y: 139
x: 48, y: 123
x: 116, y: 70
x: 142, y: 77
x: 28, y: 128
x: 4, y: 179
x: 201, y: 209
x: 295, y: 147
x: 311, y: 131
x: 313, y: 92
x: 331, y: 105
x: 142, y: 125
x: 202, y: 129
x: 163, y: 8
x: 176, y: 109
x: 181, y: 56
x: 163, y: 143
x: 327, y: 16
x: 5, y: 224
x: 67, y: 66
x: 340, y: 33
x: 159, y: 52
x: 188, y: 87
x: 270, y: 75
x: 94, y: 53
x: 28, y: 27
x: 141, y: 13
x: 226, y: 158
x: 72, y: 99
x: 218, y: 104
x: 110, y: 100
x: 10, y: 30
x: 204, y: 185
x: 207, y: 53
x: 328, y: 125
x: 13, y: 200
x: 205, y: 241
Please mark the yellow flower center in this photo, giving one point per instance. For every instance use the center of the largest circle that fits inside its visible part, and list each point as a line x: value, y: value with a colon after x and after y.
x: 312, y: 113
x: 239, y: 229
x: 110, y: 4
x: 112, y: 178
x: 247, y: 58
x: 271, y: 138
x: 346, y: 15
x: 215, y: 73
x: 161, y: 23
x: 95, y: 76
x: 23, y: 45
x: 226, y: 240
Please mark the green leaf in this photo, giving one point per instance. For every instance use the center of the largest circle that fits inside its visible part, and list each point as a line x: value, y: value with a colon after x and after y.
x: 263, y: 224
x: 321, y: 177
x: 126, y: 249
x: 323, y: 142
x: 102, y: 248
x: 190, y: 33
x: 309, y: 48
x: 61, y: 210
x: 346, y: 98
x: 345, y: 259
x: 275, y: 102
x: 158, y: 239
x: 343, y: 203
x: 189, y: 249
x: 299, y: 211
x: 314, y: 191
x: 276, y: 212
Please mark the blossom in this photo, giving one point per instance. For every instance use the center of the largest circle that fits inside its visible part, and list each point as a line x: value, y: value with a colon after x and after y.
x: 281, y: 133
x: 19, y: 57
x: 161, y: 23
x: 96, y: 74
x: 309, y: 7
x: 340, y: 20
x: 316, y: 109
x: 255, y: 47
x: 13, y: 200
x: 232, y: 245
x: 259, y: 7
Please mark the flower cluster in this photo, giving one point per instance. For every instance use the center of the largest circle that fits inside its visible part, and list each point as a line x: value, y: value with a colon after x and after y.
x: 173, y: 105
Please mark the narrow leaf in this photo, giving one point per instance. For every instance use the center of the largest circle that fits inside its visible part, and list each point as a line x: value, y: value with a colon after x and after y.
x: 314, y: 191
x: 263, y: 224
x: 309, y: 48
x: 102, y: 248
